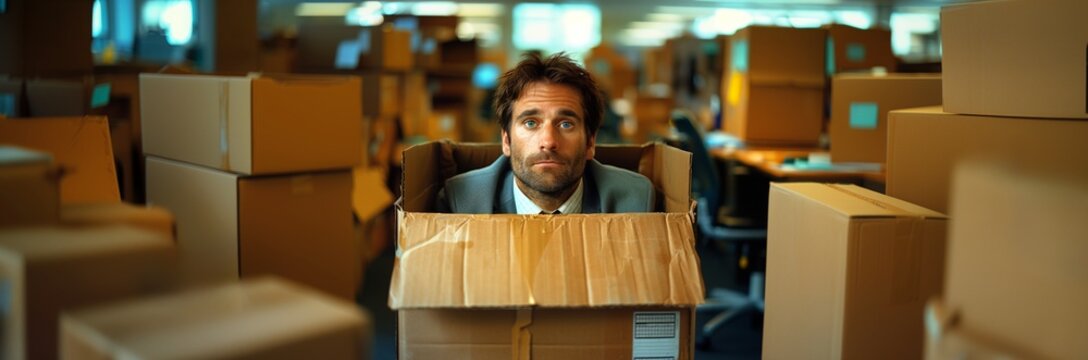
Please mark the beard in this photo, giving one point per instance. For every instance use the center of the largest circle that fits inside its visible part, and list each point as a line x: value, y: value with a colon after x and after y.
x: 550, y: 182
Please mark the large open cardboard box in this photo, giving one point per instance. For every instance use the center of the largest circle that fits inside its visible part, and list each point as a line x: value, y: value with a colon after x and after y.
x: 1016, y: 58
x: 849, y: 272
x: 296, y: 226
x: 860, y: 106
x: 925, y: 145
x: 253, y: 125
x: 266, y: 318
x: 585, y: 286
x: 44, y: 270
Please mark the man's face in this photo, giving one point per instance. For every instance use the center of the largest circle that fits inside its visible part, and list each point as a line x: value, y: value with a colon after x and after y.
x: 547, y: 142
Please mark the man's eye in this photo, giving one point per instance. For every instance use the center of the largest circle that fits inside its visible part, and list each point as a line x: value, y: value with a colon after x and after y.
x: 530, y: 123
x: 566, y: 125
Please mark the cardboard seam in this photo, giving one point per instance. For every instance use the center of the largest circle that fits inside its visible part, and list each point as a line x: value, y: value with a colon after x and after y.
x: 224, y: 127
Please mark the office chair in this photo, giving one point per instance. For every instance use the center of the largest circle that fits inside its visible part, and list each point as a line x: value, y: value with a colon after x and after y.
x: 706, y: 186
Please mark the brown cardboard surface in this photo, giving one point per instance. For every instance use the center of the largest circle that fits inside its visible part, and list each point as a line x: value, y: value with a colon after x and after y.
x: 262, y: 125
x: 205, y: 205
x: 417, y: 104
x: 237, y: 43
x: 390, y: 49
x: 300, y: 227
x: 46, y: 38
x: 29, y: 188
x: 264, y: 318
x: 369, y: 195
x: 445, y: 123
x: 81, y: 148
x: 382, y: 94
x: 775, y: 96
x: 850, y: 143
x: 848, y: 272
x: 555, y: 333
x: 295, y: 226
x: 1017, y: 251
x: 1034, y: 68
x: 925, y: 144
x: 874, y: 46
x: 460, y: 262
x: 47, y: 270
x: 151, y: 218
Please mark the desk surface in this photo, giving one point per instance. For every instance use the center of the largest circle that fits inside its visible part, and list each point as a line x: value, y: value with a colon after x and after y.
x: 769, y: 161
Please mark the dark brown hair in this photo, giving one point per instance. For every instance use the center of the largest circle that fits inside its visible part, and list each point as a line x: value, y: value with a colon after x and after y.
x: 555, y: 69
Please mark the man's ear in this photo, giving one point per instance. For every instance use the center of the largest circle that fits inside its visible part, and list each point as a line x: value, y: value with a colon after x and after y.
x: 591, y: 147
x: 505, y: 143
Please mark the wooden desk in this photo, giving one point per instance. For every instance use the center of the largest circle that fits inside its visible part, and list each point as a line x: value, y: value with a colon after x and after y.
x: 769, y: 161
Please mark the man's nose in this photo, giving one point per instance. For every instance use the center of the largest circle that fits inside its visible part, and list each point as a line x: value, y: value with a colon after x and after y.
x: 549, y: 137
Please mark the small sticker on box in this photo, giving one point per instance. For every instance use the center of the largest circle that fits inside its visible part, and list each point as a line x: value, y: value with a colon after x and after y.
x: 7, y: 105
x: 863, y: 115
x: 739, y: 52
x: 100, y: 96
x: 655, y: 335
x: 855, y: 52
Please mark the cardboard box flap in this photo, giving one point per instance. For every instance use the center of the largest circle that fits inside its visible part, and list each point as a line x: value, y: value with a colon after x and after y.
x: 427, y: 166
x: 81, y: 148
x: 461, y: 261
x: 369, y: 196
x: 54, y: 243
x: 856, y: 202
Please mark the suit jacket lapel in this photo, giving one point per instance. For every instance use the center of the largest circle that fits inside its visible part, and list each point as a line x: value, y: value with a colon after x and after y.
x: 504, y: 203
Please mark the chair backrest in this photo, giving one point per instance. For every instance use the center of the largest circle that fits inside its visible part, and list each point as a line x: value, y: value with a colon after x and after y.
x: 705, y: 182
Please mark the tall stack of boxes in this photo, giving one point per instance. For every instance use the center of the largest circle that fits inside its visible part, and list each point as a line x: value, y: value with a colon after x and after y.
x: 257, y: 171
x: 1003, y: 157
x: 774, y: 86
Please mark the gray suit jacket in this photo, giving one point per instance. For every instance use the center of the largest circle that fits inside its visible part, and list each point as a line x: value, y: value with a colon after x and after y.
x: 490, y: 190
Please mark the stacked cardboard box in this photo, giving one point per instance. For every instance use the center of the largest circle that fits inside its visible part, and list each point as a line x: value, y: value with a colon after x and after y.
x: 849, y: 271
x: 775, y: 85
x: 257, y: 319
x: 860, y: 106
x: 257, y: 171
x: 576, y: 287
x: 853, y: 49
x: 1003, y: 157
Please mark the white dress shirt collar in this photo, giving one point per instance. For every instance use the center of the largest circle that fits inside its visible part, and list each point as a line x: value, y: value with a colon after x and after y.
x: 526, y: 206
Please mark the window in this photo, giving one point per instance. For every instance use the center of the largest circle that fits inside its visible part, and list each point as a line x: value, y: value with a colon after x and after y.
x: 173, y: 17
x: 556, y: 27
x: 98, y: 20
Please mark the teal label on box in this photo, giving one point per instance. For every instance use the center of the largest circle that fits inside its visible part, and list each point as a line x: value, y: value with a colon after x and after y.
x: 7, y: 105
x: 863, y: 115
x: 100, y: 96
x: 855, y: 52
x: 739, y: 53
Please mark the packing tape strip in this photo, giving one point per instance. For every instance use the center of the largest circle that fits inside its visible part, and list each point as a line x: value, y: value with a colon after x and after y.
x: 224, y: 125
x: 522, y: 338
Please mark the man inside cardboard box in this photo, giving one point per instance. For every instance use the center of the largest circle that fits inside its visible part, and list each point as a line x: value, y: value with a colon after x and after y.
x: 549, y: 109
